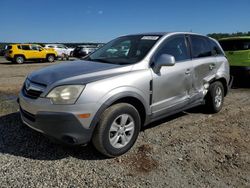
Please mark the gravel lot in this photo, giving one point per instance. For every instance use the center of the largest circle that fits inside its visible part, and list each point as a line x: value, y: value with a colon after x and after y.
x: 190, y: 149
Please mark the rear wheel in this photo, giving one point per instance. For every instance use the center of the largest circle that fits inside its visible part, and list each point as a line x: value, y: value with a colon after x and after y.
x: 117, y: 130
x: 19, y: 59
x: 215, y: 97
x: 50, y: 58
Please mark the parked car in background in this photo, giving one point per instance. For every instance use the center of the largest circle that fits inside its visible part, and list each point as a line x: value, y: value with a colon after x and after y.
x: 109, y: 97
x: 84, y: 50
x: 20, y: 53
x: 3, y: 50
x: 62, y: 50
x: 100, y: 45
x: 237, y: 50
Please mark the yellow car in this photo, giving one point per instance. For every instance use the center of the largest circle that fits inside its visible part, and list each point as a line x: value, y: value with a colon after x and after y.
x: 20, y: 53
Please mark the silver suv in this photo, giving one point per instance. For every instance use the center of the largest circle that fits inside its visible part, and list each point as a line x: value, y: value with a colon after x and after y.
x: 125, y: 85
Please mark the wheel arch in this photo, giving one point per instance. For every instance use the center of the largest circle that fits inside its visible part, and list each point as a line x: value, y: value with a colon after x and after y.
x: 50, y: 54
x: 224, y: 83
x: 128, y: 97
x: 20, y: 55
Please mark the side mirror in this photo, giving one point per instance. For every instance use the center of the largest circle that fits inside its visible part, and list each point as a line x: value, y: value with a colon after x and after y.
x: 40, y: 49
x: 164, y: 60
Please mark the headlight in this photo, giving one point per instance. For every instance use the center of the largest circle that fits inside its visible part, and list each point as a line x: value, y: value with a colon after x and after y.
x: 67, y: 94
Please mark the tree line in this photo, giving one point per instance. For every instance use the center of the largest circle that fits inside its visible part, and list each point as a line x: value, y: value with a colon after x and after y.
x: 213, y: 35
x: 225, y: 35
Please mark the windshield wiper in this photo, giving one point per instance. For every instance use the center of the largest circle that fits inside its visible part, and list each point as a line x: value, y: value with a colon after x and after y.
x: 106, y: 61
x: 102, y: 61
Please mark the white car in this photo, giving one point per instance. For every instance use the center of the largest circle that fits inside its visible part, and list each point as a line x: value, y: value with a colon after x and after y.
x: 62, y: 50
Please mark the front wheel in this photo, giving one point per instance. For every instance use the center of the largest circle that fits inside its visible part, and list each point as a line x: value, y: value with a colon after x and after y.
x: 117, y: 130
x: 215, y: 97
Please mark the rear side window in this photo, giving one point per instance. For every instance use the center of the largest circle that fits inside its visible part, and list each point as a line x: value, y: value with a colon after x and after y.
x: 175, y: 46
x: 8, y: 48
x: 235, y: 45
x: 216, y: 50
x: 25, y: 47
x: 200, y: 47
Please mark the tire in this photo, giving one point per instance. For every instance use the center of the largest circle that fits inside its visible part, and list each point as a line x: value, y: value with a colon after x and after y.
x: 215, y: 97
x: 19, y: 59
x: 50, y: 58
x: 117, y: 130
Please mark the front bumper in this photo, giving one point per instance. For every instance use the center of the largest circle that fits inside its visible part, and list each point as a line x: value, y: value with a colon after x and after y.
x: 60, y: 122
x: 61, y: 126
x: 8, y: 58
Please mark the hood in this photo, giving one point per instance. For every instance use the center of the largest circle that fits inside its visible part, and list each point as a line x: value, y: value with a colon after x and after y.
x: 65, y: 70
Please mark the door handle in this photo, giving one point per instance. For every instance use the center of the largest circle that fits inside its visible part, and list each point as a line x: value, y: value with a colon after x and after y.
x: 211, y: 66
x: 187, y: 72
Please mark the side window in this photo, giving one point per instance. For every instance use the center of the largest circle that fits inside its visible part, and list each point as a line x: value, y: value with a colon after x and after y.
x: 25, y: 47
x: 60, y: 46
x: 34, y: 47
x: 216, y: 50
x: 200, y: 47
x: 175, y: 46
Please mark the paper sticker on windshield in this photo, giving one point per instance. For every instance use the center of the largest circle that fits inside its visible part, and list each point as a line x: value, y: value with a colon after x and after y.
x: 149, y: 37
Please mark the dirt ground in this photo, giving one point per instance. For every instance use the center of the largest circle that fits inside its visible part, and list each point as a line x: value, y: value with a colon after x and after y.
x: 190, y: 149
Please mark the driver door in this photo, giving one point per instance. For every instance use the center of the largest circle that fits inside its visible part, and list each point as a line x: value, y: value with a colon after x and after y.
x: 36, y: 52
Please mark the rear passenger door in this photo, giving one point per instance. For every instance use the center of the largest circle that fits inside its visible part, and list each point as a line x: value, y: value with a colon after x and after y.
x: 26, y: 51
x: 204, y: 62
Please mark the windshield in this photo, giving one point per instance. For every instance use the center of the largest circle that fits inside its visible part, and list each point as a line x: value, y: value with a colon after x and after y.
x: 125, y: 50
x: 235, y: 45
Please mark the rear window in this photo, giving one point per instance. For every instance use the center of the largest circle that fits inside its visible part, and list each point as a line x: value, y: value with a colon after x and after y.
x: 235, y: 45
x: 8, y: 47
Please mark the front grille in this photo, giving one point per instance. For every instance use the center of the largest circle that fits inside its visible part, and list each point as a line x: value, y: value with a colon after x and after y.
x: 32, y: 90
x: 31, y: 93
x: 27, y: 115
